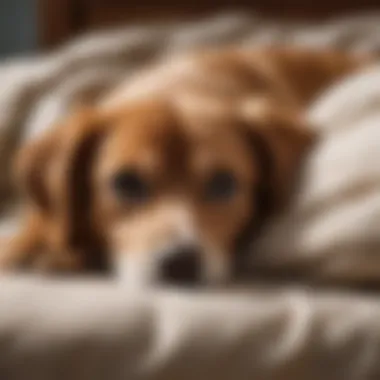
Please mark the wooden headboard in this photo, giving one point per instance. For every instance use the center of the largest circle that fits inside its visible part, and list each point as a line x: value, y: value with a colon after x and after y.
x: 60, y: 20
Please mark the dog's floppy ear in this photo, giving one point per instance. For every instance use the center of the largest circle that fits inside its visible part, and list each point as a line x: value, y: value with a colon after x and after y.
x: 280, y: 137
x: 54, y: 172
x: 72, y: 182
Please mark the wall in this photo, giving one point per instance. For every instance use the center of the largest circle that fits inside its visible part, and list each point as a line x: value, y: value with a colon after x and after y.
x: 18, y: 27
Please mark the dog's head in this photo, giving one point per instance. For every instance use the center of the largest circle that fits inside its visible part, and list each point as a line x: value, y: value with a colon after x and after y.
x: 165, y: 193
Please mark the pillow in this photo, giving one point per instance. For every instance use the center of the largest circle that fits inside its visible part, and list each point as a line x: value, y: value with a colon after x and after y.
x: 331, y: 231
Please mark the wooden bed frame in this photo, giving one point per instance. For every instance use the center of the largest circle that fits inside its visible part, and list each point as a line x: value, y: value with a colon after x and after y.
x: 60, y: 20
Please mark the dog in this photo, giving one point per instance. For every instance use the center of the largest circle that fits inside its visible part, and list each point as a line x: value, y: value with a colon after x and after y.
x: 170, y: 177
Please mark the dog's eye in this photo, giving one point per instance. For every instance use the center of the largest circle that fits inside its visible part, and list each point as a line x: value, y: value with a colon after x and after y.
x: 130, y: 186
x: 221, y: 186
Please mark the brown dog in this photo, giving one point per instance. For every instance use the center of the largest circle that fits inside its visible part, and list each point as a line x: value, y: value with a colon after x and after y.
x: 172, y: 175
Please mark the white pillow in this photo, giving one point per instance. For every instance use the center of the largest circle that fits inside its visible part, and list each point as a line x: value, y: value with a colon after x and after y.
x: 332, y: 230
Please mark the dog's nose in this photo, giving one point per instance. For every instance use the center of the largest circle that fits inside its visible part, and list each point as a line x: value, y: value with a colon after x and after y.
x: 182, y: 266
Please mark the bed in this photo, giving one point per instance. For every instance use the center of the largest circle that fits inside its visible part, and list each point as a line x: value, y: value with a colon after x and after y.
x: 93, y: 328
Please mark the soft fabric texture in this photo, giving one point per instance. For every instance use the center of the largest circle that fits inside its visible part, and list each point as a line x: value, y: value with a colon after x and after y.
x: 332, y: 230
x: 98, y: 330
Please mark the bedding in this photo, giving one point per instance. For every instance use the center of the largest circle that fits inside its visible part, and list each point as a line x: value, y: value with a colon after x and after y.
x: 331, y: 233
x: 93, y: 329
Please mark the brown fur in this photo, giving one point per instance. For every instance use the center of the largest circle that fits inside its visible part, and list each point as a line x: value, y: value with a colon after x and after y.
x: 202, y: 111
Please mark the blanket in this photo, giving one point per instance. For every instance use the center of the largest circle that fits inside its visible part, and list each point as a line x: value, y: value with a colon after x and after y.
x: 37, y: 91
x: 93, y: 329
x: 331, y: 232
